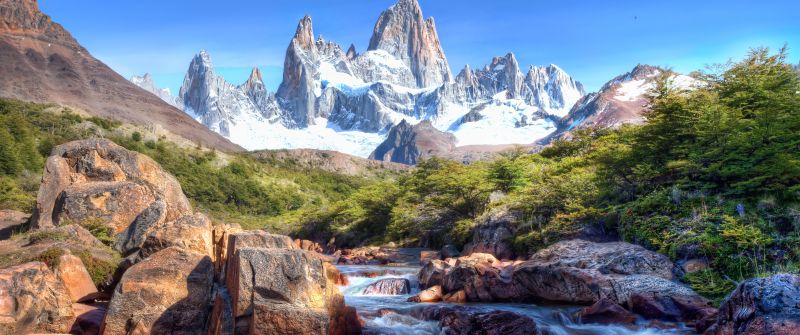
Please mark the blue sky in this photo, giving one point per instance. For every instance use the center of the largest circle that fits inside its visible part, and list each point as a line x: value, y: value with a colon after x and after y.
x: 592, y: 40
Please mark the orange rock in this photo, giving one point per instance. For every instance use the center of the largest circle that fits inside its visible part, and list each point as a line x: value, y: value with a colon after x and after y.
x: 458, y: 297
x: 432, y: 294
x: 426, y: 256
x: 33, y: 300
x: 76, y: 279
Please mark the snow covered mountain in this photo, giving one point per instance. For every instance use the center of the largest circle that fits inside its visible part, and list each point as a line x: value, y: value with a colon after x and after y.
x: 620, y: 101
x: 349, y: 101
x: 146, y: 82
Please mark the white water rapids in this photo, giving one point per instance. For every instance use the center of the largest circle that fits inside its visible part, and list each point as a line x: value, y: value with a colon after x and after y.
x: 551, y: 320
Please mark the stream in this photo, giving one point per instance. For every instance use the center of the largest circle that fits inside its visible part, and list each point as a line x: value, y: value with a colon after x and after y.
x: 551, y: 320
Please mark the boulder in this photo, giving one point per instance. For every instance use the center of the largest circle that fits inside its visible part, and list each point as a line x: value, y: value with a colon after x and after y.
x: 457, y: 320
x: 101, y: 175
x: 76, y: 279
x: 166, y: 293
x: 289, y: 276
x: 606, y: 311
x: 189, y: 232
x: 32, y: 299
x: 286, y: 291
x: 450, y: 251
x: 389, y: 286
x: 432, y: 273
x: 482, y: 278
x: 764, y: 306
x: 114, y: 204
x: 457, y: 297
x: 658, y: 298
x: 492, y: 235
x: 582, y: 272
x: 426, y: 256
x: 308, y: 245
x: 431, y: 294
x: 11, y: 221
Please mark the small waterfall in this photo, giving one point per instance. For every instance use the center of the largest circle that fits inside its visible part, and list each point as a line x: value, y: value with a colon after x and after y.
x: 389, y: 314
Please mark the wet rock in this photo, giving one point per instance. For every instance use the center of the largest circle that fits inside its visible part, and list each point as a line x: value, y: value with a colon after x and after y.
x: 389, y: 286
x: 458, y: 297
x: 492, y: 235
x: 166, y: 293
x: 606, y: 311
x: 374, y: 255
x: 768, y: 306
x: 76, y: 279
x: 450, y: 251
x: 578, y: 271
x: 458, y: 320
x: 658, y: 298
x: 432, y: 273
x: 426, y: 256
x: 482, y: 278
x: 32, y: 299
x: 431, y: 294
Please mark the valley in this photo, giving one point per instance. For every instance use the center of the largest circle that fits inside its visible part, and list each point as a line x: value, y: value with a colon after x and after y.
x: 377, y: 192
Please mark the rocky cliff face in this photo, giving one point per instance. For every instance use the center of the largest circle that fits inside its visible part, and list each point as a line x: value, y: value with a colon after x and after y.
x: 403, y: 32
x: 407, y: 144
x: 220, y: 105
x: 41, y: 62
x: 352, y: 99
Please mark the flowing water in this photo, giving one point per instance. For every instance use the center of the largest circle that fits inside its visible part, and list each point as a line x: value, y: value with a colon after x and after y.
x: 552, y: 320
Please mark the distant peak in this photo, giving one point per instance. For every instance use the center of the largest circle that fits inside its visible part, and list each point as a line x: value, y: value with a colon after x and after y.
x: 351, y: 52
x: 304, y: 35
x: 255, y: 75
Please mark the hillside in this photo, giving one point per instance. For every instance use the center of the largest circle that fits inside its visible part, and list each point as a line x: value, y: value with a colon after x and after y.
x: 42, y: 62
x: 248, y: 189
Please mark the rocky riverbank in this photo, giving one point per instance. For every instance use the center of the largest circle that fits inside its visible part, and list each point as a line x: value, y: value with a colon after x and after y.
x: 169, y: 269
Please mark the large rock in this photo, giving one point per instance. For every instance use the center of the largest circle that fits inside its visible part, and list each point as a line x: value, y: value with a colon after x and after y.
x: 284, y: 291
x: 99, y: 160
x: 768, y: 306
x: 389, y: 286
x: 432, y: 273
x: 76, y: 279
x: 220, y: 236
x: 167, y: 293
x: 578, y: 271
x: 493, y: 234
x: 100, y: 183
x: 457, y: 320
x: 32, y: 299
x: 190, y: 232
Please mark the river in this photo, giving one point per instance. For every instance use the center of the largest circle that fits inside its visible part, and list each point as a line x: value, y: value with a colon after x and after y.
x: 552, y: 320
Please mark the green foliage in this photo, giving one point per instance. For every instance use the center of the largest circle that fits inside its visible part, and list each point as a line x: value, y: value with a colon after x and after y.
x: 101, y: 231
x: 710, y: 284
x: 51, y: 257
x: 101, y: 270
x: 39, y: 235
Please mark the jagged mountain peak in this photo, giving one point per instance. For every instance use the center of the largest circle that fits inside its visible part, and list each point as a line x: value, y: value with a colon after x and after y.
x: 402, y: 31
x: 304, y: 35
x: 351, y: 52
x: 255, y: 76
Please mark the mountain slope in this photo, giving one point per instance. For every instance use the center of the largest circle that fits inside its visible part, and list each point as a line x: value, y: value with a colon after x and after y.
x: 41, y: 62
x: 620, y: 101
